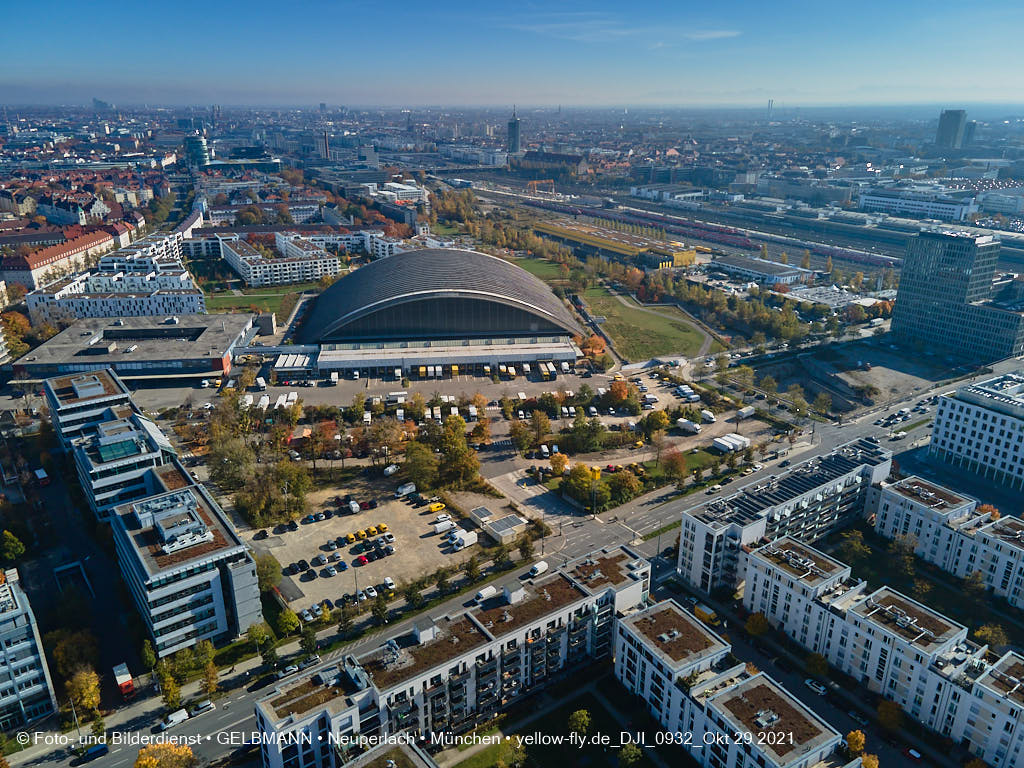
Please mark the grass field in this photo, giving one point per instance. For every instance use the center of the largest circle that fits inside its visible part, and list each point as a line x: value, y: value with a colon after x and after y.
x: 270, y: 300
x: 639, y: 334
x: 546, y: 270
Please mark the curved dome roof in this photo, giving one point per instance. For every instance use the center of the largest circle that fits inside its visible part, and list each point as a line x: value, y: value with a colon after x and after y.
x: 436, y: 279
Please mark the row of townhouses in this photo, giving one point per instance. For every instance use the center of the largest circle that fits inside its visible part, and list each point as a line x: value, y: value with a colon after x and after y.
x: 190, y: 575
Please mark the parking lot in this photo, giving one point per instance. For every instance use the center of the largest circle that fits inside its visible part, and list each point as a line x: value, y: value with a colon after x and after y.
x: 417, y: 549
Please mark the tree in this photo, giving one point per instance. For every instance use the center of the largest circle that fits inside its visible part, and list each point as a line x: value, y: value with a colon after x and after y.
x: 231, y: 462
x: 170, y: 692
x: 148, y: 655
x: 307, y: 642
x: 98, y: 729
x: 823, y: 402
x: 769, y: 385
x: 674, y: 463
x: 345, y: 622
x: 757, y: 624
x: 868, y: 761
x: 258, y: 635
x: 974, y: 586
x: 921, y: 589
x: 500, y: 557
x: 84, y: 690
x: 559, y: 462
x: 268, y: 571
x: 855, y: 742
x: 816, y: 665
x: 579, y: 722
x: 413, y: 596
x: 380, y: 610
x: 805, y: 262
x: 459, y: 462
x: 630, y: 755
x: 287, y: 622
x: 421, y: 465
x: 521, y: 436
x: 624, y: 485
x: 852, y: 547
x: 210, y: 679
x: 525, y: 547
x: 71, y: 650
x: 472, y: 569
x: 541, y: 425
x: 11, y: 547
x: 992, y: 635
x: 890, y: 716
x: 165, y: 755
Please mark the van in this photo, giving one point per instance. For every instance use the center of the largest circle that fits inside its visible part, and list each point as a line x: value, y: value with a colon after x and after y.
x: 544, y: 451
x: 175, y: 718
x: 96, y: 750
x: 485, y: 594
x: 538, y: 568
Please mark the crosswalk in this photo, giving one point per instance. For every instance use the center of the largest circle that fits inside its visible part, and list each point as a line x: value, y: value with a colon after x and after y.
x: 505, y: 443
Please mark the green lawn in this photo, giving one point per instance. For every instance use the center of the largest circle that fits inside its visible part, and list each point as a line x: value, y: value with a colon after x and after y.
x: 638, y: 334
x: 280, y: 303
x: 548, y: 271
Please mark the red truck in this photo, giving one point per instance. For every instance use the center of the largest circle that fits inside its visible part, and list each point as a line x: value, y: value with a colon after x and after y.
x: 123, y: 678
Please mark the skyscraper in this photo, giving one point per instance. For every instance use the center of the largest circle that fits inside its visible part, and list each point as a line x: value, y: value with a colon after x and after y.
x: 513, y: 133
x: 197, y: 153
x: 948, y: 303
x: 950, y: 133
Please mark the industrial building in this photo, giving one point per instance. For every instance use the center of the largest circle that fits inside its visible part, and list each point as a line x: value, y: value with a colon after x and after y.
x: 808, y: 501
x: 980, y: 428
x: 461, y: 310
x: 760, y: 271
x: 142, y: 347
x: 949, y: 300
x: 918, y: 204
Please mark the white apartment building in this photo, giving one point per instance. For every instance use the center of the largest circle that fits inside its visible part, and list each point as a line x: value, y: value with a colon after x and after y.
x: 189, y: 574
x: 403, y: 193
x: 452, y: 672
x: 153, y: 253
x: 894, y: 646
x: 696, y: 689
x: 380, y: 246
x: 948, y: 531
x: 78, y: 402
x: 116, y: 294
x: 980, y: 427
x: 256, y: 269
x: 26, y: 690
x: 807, y: 502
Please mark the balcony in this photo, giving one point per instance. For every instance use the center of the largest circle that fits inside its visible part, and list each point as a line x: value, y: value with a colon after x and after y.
x: 488, y: 665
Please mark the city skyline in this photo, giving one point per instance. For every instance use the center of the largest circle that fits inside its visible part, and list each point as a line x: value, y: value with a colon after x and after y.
x: 582, y: 55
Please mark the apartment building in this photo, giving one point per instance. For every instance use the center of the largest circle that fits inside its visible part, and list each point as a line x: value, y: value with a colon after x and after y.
x: 47, y: 264
x: 257, y: 269
x: 723, y: 714
x: 114, y: 460
x: 116, y: 294
x: 79, y: 401
x: 189, y: 574
x: 980, y: 428
x: 917, y: 204
x: 948, y: 530
x: 807, y: 502
x: 893, y: 646
x: 452, y: 672
x: 26, y: 690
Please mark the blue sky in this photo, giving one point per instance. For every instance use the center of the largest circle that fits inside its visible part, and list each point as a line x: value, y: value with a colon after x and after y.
x: 682, y: 53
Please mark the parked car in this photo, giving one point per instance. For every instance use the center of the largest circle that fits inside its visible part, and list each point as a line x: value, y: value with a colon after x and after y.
x: 815, y: 686
x: 291, y: 669
x: 389, y: 583
x: 371, y: 593
x: 361, y: 560
x: 203, y: 706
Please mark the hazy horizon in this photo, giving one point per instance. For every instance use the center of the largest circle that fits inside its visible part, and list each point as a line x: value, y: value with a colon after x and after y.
x: 584, y: 54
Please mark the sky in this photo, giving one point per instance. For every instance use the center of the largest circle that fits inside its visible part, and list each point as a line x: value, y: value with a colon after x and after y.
x: 479, y: 53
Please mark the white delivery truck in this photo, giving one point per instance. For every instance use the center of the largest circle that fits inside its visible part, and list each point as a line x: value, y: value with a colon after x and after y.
x: 485, y: 594
x: 472, y: 413
x: 538, y: 568
x: 544, y: 450
x: 708, y: 416
x: 405, y: 489
x: 444, y: 525
x: 745, y: 412
x: 334, y: 378
x: 465, y: 539
x: 261, y: 384
x: 688, y: 427
x: 565, y: 367
x: 175, y: 718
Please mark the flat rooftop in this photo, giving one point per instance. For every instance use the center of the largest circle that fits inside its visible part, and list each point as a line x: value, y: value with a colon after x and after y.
x: 329, y: 686
x: 79, y: 388
x: 108, y: 341
x: 148, y: 539
x: 762, y: 266
x: 455, y: 637
x: 500, y: 617
x: 758, y: 705
x: 1006, y: 677
x: 598, y: 571
x: 805, y: 563
x: 933, y: 496
x: 753, y: 501
x: 676, y: 635
x: 1003, y: 393
x: 1009, y: 530
x: 899, y: 615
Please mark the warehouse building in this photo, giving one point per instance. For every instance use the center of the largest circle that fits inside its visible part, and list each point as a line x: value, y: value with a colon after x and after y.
x: 760, y: 271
